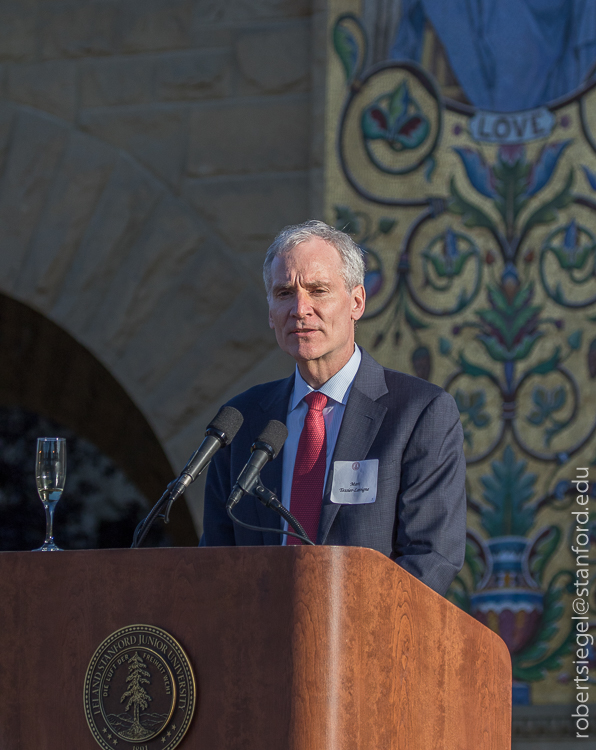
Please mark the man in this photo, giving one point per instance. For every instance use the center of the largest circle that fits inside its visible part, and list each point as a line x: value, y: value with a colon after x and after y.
x: 374, y: 458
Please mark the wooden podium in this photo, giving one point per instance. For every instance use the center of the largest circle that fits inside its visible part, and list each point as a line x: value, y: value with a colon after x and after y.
x: 293, y: 648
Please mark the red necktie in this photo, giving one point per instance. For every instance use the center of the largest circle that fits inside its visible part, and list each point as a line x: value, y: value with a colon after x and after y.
x: 309, y: 468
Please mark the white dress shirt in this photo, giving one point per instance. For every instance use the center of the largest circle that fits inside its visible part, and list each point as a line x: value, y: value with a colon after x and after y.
x: 337, y: 389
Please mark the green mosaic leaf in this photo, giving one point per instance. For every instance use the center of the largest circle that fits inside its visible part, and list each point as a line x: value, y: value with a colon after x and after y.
x: 413, y: 132
x: 497, y: 298
x: 508, y: 491
x: 444, y: 346
x: 474, y: 562
x: 547, y: 365
x: 495, y: 319
x: 523, y: 296
x: 346, y: 47
x: 386, y: 224
x: 549, y: 211
x: 430, y: 165
x: 471, y: 369
x: 459, y: 263
x: 522, y: 317
x: 398, y: 104
x: 500, y: 353
x: 472, y: 216
x: 542, y: 550
x: 415, y: 323
x: 575, y: 339
x: 346, y: 220
x: 458, y: 594
x: 375, y: 123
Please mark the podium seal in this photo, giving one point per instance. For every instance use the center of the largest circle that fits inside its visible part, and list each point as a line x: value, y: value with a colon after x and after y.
x: 139, y: 690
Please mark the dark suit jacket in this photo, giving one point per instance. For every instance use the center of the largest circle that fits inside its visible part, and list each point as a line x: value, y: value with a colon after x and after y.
x: 411, y: 426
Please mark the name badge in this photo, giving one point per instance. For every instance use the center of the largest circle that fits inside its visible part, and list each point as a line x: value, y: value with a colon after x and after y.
x: 355, y: 482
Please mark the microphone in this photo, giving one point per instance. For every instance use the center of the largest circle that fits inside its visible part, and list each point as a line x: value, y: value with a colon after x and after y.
x: 219, y: 433
x: 264, y: 449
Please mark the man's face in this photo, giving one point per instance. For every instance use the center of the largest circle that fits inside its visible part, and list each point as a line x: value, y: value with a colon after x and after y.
x: 310, y: 308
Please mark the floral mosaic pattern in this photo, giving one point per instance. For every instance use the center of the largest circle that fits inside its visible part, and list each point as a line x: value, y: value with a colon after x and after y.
x: 481, y: 275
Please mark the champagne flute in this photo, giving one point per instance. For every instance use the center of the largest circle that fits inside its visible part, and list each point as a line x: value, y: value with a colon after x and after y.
x: 50, y: 474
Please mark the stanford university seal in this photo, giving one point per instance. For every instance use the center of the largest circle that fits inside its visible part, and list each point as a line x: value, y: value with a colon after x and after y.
x: 139, y: 690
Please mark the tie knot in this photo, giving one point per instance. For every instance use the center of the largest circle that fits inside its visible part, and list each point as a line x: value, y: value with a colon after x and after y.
x: 316, y: 401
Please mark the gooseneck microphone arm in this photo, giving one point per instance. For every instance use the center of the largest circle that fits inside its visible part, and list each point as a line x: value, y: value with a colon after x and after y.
x: 270, y: 500
x: 264, y: 449
x: 262, y: 492
x: 218, y: 434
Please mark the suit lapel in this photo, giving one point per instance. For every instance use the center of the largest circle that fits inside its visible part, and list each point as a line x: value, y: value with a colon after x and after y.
x: 275, y: 406
x: 361, y: 422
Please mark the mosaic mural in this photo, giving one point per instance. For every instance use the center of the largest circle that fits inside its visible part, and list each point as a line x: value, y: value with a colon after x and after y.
x: 461, y: 155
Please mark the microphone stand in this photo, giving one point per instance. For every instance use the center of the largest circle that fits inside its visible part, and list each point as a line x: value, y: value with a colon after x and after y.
x: 145, y: 525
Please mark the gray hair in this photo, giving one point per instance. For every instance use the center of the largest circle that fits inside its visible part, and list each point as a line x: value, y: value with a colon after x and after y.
x: 351, y: 255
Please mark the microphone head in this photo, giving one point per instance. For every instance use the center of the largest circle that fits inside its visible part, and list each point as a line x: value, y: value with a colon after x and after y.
x: 274, y: 435
x: 227, y: 422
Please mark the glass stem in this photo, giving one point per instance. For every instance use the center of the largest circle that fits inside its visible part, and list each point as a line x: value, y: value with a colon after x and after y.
x: 49, y: 522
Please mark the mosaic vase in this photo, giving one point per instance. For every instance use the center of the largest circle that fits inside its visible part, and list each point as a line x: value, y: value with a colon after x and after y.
x: 508, y: 600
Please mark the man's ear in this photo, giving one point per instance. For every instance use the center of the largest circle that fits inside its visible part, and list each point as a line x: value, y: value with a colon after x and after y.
x: 358, y: 302
x: 270, y: 320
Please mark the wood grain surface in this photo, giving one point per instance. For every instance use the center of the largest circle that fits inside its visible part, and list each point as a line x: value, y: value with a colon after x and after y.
x: 331, y: 648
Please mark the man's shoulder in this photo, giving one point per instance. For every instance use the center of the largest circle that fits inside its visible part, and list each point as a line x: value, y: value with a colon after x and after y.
x: 259, y: 394
x: 411, y: 384
x: 404, y: 387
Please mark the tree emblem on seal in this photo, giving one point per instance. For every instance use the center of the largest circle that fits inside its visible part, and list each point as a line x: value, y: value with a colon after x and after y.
x: 137, y: 696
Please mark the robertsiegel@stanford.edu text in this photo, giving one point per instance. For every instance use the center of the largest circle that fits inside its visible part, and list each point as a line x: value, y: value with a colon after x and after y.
x: 583, y: 639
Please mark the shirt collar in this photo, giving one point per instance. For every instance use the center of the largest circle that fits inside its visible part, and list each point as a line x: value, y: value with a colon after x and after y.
x: 336, y: 388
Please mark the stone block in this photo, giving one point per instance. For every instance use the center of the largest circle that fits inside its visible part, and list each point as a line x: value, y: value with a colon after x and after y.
x: 225, y: 352
x: 153, y: 267
x: 156, y: 136
x: 18, y: 40
x: 319, y: 26
x: 35, y: 151
x: 241, y: 10
x: 79, y: 29
x: 122, y: 210
x: 209, y: 35
x: 249, y: 211
x: 239, y: 137
x: 275, y: 59
x: 7, y: 115
x: 113, y: 81
x: 193, y: 75
x: 50, y: 86
x: 183, y: 307
x: 155, y: 25
x: 80, y: 179
x: 316, y: 195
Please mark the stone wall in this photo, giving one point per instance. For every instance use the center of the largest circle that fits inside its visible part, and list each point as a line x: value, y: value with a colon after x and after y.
x: 150, y: 151
x: 213, y: 98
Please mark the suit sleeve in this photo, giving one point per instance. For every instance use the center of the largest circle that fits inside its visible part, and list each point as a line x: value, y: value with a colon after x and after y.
x: 218, y: 529
x: 431, y: 532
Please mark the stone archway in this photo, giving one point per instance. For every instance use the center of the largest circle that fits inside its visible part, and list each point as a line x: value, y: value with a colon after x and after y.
x: 110, y: 254
x: 46, y: 372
